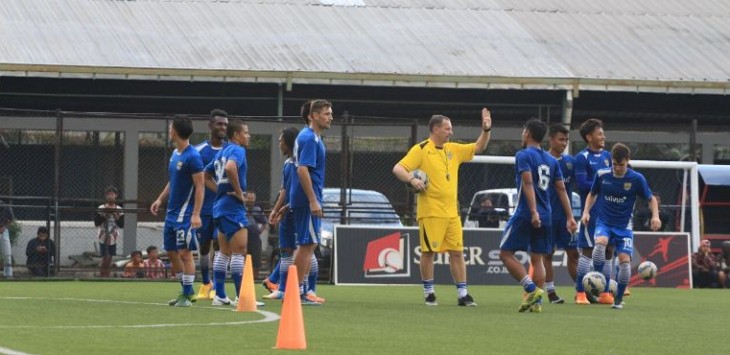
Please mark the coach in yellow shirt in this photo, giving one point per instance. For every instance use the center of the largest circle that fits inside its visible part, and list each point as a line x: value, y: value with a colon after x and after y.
x: 439, y: 223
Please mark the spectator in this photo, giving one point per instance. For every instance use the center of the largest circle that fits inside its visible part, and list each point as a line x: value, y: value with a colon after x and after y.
x: 153, y: 266
x: 487, y: 216
x: 257, y: 224
x: 109, y: 218
x: 705, y: 271
x: 40, y: 252
x: 643, y: 217
x: 6, y: 218
x: 723, y: 262
x: 135, y: 267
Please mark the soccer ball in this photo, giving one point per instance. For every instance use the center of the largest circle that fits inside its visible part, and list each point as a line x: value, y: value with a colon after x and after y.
x: 647, y: 270
x: 420, y: 175
x: 594, y: 283
x: 612, y: 287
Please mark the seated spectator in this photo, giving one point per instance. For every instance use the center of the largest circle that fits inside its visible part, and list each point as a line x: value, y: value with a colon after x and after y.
x: 154, y: 267
x: 134, y: 268
x: 723, y: 262
x: 40, y: 252
x: 705, y: 271
x: 487, y: 216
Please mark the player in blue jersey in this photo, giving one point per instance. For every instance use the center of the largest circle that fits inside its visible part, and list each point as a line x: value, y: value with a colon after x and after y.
x: 537, y: 177
x: 228, y: 170
x: 560, y: 238
x: 287, y: 235
x: 217, y: 124
x: 618, y: 188
x: 184, y: 193
x: 587, y: 162
x: 306, y: 189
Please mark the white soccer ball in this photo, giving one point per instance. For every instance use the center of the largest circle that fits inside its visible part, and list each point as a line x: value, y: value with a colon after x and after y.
x: 594, y: 283
x: 420, y: 175
x: 612, y: 287
x: 647, y: 270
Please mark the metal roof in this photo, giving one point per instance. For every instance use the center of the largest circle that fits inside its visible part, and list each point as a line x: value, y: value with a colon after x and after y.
x: 715, y: 175
x: 651, y: 45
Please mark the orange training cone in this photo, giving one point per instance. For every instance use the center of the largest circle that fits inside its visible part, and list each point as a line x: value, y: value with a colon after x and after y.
x: 247, y: 294
x: 291, y: 326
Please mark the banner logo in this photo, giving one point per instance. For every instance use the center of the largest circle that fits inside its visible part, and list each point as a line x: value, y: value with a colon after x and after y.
x: 387, y: 256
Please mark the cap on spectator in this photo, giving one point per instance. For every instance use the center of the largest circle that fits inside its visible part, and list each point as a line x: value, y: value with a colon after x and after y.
x: 111, y: 188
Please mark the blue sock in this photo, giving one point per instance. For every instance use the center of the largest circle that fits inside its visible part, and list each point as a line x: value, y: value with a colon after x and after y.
x: 274, y: 276
x: 220, y: 266
x: 237, y: 262
x: 527, y: 284
x: 284, y: 264
x: 187, y: 284
x: 205, y: 268
x: 313, y: 274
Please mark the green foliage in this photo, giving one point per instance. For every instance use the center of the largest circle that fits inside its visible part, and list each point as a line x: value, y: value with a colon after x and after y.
x: 14, y: 230
x: 81, y: 317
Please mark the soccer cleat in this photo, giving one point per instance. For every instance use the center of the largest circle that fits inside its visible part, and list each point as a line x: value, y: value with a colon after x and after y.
x: 276, y: 295
x: 467, y: 301
x: 431, y: 300
x: 183, y: 302
x: 174, y: 301
x: 605, y: 298
x: 532, y: 298
x: 536, y: 308
x: 217, y: 301
x: 270, y: 286
x: 554, y: 298
x: 204, y: 291
x: 592, y: 299
x: 309, y: 302
x: 580, y: 298
x: 617, y: 306
x: 313, y: 297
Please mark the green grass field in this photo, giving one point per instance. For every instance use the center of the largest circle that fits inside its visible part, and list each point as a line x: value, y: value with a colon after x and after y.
x: 76, y: 317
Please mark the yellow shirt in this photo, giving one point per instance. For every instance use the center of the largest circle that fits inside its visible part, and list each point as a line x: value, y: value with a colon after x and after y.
x: 442, y: 168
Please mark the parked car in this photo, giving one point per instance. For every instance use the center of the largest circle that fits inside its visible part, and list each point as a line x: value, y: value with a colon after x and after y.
x: 504, y: 202
x: 360, y: 207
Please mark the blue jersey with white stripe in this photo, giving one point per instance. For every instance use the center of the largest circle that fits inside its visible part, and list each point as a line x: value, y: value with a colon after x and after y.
x: 618, y: 196
x: 545, y: 171
x: 207, y: 154
x: 587, y: 163
x: 227, y: 204
x: 287, y: 174
x: 309, y: 151
x: 181, y: 194
x: 567, y: 168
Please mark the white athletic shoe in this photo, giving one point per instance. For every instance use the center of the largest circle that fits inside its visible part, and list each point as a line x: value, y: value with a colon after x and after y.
x: 258, y: 303
x: 217, y: 301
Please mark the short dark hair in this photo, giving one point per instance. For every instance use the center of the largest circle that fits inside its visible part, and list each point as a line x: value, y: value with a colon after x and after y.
x: 304, y: 111
x: 289, y: 135
x: 589, y: 126
x: 43, y: 230
x: 436, y: 120
x: 558, y: 128
x: 319, y: 105
x: 151, y: 248
x: 233, y: 127
x: 111, y: 188
x: 536, y: 128
x: 216, y: 112
x: 620, y: 152
x: 136, y: 252
x: 183, y: 125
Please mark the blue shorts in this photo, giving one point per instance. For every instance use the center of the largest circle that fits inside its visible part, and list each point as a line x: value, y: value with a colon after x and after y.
x: 561, y: 238
x: 228, y: 226
x: 178, y: 237
x: 308, y: 227
x: 207, y: 231
x: 520, y: 235
x: 585, y: 234
x: 287, y: 232
x: 622, y: 238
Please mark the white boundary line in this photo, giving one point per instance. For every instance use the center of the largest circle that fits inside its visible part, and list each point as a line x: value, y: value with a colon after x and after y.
x: 6, y: 351
x: 268, y: 317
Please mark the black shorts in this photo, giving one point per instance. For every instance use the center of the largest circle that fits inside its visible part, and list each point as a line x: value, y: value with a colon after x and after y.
x: 107, y: 250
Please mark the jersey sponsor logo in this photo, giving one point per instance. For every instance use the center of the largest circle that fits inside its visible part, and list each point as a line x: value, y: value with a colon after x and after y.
x: 615, y: 199
x: 627, y: 186
x: 387, y: 256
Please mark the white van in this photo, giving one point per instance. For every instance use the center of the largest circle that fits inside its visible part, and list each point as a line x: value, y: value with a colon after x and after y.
x: 504, y: 202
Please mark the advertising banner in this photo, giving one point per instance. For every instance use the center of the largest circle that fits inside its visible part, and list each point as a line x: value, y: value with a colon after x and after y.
x: 391, y: 255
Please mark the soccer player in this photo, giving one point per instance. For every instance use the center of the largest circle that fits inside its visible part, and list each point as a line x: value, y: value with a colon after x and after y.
x: 229, y: 212
x: 287, y: 236
x: 537, y: 174
x: 587, y: 162
x: 560, y: 237
x: 617, y: 188
x: 439, y: 223
x: 186, y: 183
x: 217, y: 124
x: 306, y: 190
